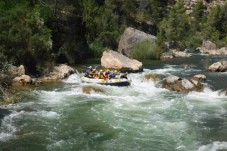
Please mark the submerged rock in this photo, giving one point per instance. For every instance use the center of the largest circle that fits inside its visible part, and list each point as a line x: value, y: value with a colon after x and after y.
x: 90, y: 89
x: 152, y: 77
x: 115, y: 60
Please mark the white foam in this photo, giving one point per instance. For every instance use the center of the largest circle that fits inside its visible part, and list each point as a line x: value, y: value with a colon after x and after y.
x: 46, y: 114
x: 74, y: 78
x: 56, y: 145
x: 7, y: 126
x: 207, y: 95
x: 214, y: 146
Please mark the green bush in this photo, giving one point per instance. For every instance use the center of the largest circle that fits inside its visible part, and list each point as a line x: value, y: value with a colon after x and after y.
x: 96, y: 48
x: 146, y: 50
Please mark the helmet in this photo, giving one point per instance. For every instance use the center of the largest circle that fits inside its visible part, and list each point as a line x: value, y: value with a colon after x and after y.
x: 115, y: 71
x: 101, y: 70
x: 94, y: 69
x: 90, y: 67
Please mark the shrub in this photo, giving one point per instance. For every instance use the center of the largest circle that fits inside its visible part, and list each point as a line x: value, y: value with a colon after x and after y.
x: 146, y: 50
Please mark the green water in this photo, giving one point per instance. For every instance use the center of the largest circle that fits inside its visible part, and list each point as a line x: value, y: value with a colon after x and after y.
x: 142, y: 117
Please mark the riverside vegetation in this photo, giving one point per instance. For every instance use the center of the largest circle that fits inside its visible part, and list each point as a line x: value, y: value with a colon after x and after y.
x: 40, y: 33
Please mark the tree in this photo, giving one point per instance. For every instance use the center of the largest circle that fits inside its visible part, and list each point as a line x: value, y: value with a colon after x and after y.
x: 198, y: 15
x: 175, y: 28
x: 25, y: 39
x: 215, y: 28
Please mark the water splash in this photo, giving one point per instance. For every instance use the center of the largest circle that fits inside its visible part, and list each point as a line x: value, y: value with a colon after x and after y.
x: 214, y: 146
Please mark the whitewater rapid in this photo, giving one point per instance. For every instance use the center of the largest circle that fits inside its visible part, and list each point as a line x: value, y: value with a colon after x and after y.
x: 142, y: 116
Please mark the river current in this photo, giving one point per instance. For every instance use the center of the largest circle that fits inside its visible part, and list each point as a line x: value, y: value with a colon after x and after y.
x: 141, y: 117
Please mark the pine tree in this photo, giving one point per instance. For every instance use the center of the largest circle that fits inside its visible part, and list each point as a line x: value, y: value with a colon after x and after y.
x: 175, y: 28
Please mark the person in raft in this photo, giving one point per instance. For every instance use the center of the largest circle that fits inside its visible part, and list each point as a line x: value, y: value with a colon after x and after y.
x: 88, y: 72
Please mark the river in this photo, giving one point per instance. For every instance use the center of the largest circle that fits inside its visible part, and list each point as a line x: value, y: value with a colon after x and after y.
x: 141, y: 117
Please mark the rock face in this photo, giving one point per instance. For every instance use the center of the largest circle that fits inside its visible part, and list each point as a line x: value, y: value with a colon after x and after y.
x: 130, y: 38
x: 178, y: 84
x: 60, y: 72
x: 211, y: 49
x: 218, y: 66
x: 115, y: 60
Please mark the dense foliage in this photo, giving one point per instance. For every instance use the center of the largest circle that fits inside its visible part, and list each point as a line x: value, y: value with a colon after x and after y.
x: 39, y: 33
x: 146, y: 50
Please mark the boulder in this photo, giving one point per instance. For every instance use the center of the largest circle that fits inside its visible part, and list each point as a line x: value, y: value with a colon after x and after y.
x: 220, y: 66
x: 59, y: 72
x: 199, y: 77
x: 21, y: 70
x: 90, y: 89
x: 184, y: 85
x: 23, y: 80
x: 174, y: 53
x: 130, y: 38
x: 198, y: 85
x: 172, y: 79
x: 167, y: 55
x: 115, y: 60
x: 175, y: 83
x: 222, y: 51
x: 180, y: 53
x: 211, y: 49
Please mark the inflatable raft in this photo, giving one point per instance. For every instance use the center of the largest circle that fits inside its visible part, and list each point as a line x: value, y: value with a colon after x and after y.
x: 113, y: 82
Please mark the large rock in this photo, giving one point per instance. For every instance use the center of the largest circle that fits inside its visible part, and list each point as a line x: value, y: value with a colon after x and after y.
x: 59, y: 72
x: 21, y: 70
x: 180, y: 53
x: 115, y: 60
x: 175, y: 83
x: 199, y: 77
x: 222, y: 51
x: 130, y: 38
x: 171, y: 79
x: 218, y: 66
x: 167, y: 55
x: 23, y: 80
x: 211, y: 49
x: 174, y: 53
